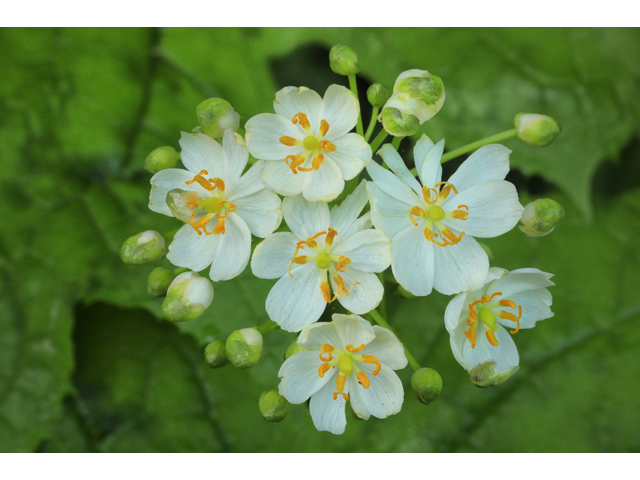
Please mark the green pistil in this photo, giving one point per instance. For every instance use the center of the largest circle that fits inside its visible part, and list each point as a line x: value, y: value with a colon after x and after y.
x: 436, y: 213
x: 323, y: 261
x: 211, y: 205
x: 310, y: 143
x: 487, y: 317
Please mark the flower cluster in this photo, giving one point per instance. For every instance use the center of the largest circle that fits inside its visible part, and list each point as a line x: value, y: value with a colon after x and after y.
x: 348, y: 217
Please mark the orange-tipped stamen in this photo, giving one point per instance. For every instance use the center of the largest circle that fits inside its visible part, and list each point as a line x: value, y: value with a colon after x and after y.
x: 342, y: 288
x: 323, y: 369
x: 418, y: 212
x: 508, y: 303
x: 373, y: 360
x: 471, y: 334
x: 461, y: 214
x: 426, y: 194
x: 491, y: 336
x: 340, y: 381
x: 317, y: 162
x: 312, y: 241
x: 288, y: 141
x: 203, y: 182
x: 343, y: 264
x: 201, y: 223
x: 219, y: 228
x: 294, y: 163
x: 326, y: 291
x: 326, y: 349
x: 301, y: 119
x: 355, y: 350
x: 362, y: 378
x: 327, y: 146
x: 449, y: 235
x: 328, y: 240
x: 230, y: 209
x: 324, y: 127
x: 444, y: 193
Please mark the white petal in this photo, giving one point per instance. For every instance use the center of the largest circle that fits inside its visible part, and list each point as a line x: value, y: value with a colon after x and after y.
x: 343, y: 216
x: 352, y: 153
x: 431, y: 171
x: 324, y: 184
x: 305, y: 219
x: 385, y: 394
x: 193, y: 251
x: 365, y: 296
x: 392, y: 185
x: 234, y: 250
x: 386, y: 348
x: 460, y: 267
x: 353, y: 330
x: 368, y: 250
x: 505, y: 354
x: 166, y: 180
x: 291, y: 100
x: 340, y: 108
x: 272, y: 257
x: 494, y: 209
x: 263, y: 137
x: 279, y: 176
x: 535, y: 306
x: 363, y: 223
x: 393, y: 159
x: 328, y: 414
x: 454, y: 310
x: 248, y: 184
x: 388, y: 213
x: 357, y: 402
x: 201, y: 152
x: 296, y: 302
x: 420, y: 153
x: 234, y: 157
x: 260, y: 211
x: 521, y: 280
x: 300, y: 377
x: 412, y: 260
x: 315, y: 336
x: 490, y: 162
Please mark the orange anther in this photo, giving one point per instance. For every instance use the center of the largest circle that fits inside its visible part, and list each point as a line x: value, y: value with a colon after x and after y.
x: 201, y: 223
x: 288, y: 141
x: 471, y: 334
x: 323, y: 369
x: 312, y: 241
x: 218, y: 183
x: 426, y: 194
x: 444, y: 193
x: 327, y: 146
x: 355, y: 350
x: 326, y: 291
x: 343, y: 264
x: 219, y: 228
x: 324, y: 127
x: 418, y: 212
x: 372, y: 359
x: 317, y: 161
x: 326, y: 349
x: 364, y: 381
x: 340, y: 381
x: 301, y: 119
x: 203, y: 182
x: 328, y: 240
x: 461, y: 214
x: 342, y: 288
x: 294, y: 163
x: 449, y: 235
x: 508, y: 303
x: 491, y: 336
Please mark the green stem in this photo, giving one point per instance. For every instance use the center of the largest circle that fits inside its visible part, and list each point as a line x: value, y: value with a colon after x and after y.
x: 379, y: 319
x: 396, y: 142
x: 378, y: 141
x: 354, y: 88
x: 500, y: 137
x: 372, y: 123
x: 266, y: 326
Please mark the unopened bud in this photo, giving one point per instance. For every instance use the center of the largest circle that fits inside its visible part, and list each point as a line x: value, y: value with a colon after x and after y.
x: 293, y: 349
x: 273, y: 406
x: 244, y: 347
x: 183, y: 203
x: 378, y: 94
x: 188, y: 296
x: 426, y: 89
x: 484, y: 374
x: 343, y: 60
x: 145, y: 247
x: 536, y: 129
x: 159, y: 280
x: 397, y: 123
x: 426, y: 384
x: 215, y: 355
x: 541, y: 217
x: 216, y: 115
x: 161, y: 158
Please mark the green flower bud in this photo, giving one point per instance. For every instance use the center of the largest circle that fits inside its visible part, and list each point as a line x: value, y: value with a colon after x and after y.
x: 161, y: 158
x: 405, y: 293
x: 273, y: 406
x: 293, y: 349
x: 397, y: 123
x: 145, y: 247
x: 484, y: 374
x: 426, y: 89
x: 188, y: 297
x: 536, y: 129
x: 216, y: 115
x: 378, y: 94
x: 426, y: 384
x: 541, y: 217
x: 343, y: 60
x: 244, y: 347
x: 159, y: 280
x: 215, y: 355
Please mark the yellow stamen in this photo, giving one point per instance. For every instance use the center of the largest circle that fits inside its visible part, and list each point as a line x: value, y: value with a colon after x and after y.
x: 288, y: 141
x: 362, y: 378
x: 301, y: 119
x: 294, y: 163
x: 312, y: 241
x: 201, y: 223
x: 491, y: 336
x: 326, y: 349
x: 326, y: 291
x: 327, y: 146
x: 204, y: 183
x: 418, y: 212
x: 328, y: 240
x: 372, y: 359
x: 317, y: 162
x: 426, y: 194
x: 355, y: 350
x: 324, y: 127
x: 508, y: 303
x: 340, y: 381
x: 444, y: 193
x: 219, y: 228
x: 471, y: 334
x: 323, y: 369
x: 461, y: 214
x: 343, y: 264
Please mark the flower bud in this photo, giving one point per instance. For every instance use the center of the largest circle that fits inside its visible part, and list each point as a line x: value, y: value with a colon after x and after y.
x: 161, y: 158
x: 541, y: 217
x: 145, y: 247
x: 426, y: 89
x: 426, y: 384
x: 188, y: 297
x: 178, y: 201
x: 343, y: 60
x: 159, y: 280
x: 484, y: 374
x: 397, y: 123
x: 378, y: 94
x: 293, y: 349
x: 536, y: 129
x: 215, y: 355
x: 244, y: 347
x: 273, y: 406
x: 216, y: 115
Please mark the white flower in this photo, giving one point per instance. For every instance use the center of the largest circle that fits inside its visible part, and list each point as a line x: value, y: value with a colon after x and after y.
x: 338, y: 245
x: 307, y: 144
x: 347, y: 359
x: 222, y: 206
x: 476, y: 320
x: 431, y: 227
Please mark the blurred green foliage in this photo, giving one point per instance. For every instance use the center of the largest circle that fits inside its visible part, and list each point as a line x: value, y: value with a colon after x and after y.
x: 85, y: 362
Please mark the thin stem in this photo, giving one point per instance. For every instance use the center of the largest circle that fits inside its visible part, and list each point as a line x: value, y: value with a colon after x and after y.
x: 354, y: 88
x: 378, y: 140
x: 372, y: 123
x: 396, y: 142
x: 379, y: 319
x: 266, y: 326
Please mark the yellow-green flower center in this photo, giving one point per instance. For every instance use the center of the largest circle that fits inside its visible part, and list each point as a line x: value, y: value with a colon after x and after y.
x: 211, y: 205
x: 436, y: 213
x: 323, y: 261
x: 488, y: 318
x: 345, y: 365
x: 310, y: 143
